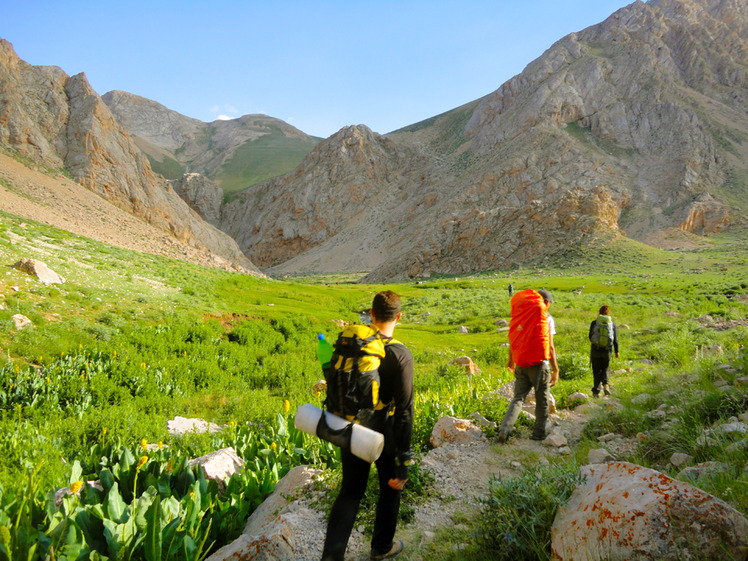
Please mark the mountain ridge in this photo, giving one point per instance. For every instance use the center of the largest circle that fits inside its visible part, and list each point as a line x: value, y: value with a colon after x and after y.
x: 176, y: 144
x: 636, y: 126
x: 604, y: 133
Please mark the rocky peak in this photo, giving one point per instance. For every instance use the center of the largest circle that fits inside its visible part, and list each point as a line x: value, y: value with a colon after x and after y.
x: 151, y: 120
x: 61, y: 121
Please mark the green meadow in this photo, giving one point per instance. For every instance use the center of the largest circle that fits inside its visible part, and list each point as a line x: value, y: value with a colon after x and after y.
x: 132, y: 340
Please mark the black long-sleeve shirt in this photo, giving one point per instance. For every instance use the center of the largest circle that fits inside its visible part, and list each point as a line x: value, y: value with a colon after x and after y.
x: 396, y: 374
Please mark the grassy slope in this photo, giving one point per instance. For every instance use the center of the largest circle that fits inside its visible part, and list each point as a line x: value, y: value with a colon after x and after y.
x: 111, y: 295
x: 257, y: 160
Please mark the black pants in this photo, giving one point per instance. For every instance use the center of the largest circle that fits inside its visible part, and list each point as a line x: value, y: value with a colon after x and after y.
x: 600, y: 361
x: 345, y: 507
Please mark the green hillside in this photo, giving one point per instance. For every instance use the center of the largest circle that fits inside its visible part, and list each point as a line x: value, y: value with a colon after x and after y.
x: 266, y: 157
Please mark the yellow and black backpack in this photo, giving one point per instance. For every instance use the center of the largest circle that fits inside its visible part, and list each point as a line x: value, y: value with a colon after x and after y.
x: 353, y: 376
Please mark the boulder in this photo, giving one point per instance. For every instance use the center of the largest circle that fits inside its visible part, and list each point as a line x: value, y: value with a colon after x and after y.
x: 679, y: 459
x: 288, y: 488
x: 38, y: 270
x: 577, y: 398
x: 556, y: 439
x: 704, y: 470
x: 219, y: 465
x: 179, y: 426
x: 271, y: 532
x: 625, y: 511
x: 20, y: 321
x: 454, y: 431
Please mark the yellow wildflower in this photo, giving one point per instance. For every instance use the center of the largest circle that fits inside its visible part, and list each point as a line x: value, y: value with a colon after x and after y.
x: 5, y: 536
x: 232, y: 424
x: 115, y: 353
x: 274, y: 446
x: 192, y: 494
x: 75, y: 487
x: 144, y: 444
x: 141, y: 462
x: 103, y: 431
x: 286, y: 406
x: 160, y: 445
x: 48, y: 379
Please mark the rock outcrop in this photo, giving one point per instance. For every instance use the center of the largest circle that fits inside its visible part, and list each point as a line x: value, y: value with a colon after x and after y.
x: 202, y: 195
x: 61, y: 122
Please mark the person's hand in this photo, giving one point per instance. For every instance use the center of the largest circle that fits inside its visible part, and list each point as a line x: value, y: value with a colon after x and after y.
x: 397, y: 484
x: 554, y: 378
x: 616, y: 355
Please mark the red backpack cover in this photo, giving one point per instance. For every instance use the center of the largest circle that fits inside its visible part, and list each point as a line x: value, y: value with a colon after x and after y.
x: 529, y: 332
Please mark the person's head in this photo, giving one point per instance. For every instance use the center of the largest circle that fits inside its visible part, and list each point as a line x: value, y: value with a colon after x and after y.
x: 386, y: 306
x: 604, y: 310
x: 547, y: 296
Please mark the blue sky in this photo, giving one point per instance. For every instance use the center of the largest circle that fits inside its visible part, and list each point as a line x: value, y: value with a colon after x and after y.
x: 318, y: 65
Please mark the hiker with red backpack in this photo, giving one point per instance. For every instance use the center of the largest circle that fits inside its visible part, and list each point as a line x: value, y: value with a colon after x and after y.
x: 370, y: 381
x: 532, y: 359
x: 603, y: 342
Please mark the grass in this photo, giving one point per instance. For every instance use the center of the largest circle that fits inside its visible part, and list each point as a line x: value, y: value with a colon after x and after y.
x: 131, y: 340
x: 260, y: 159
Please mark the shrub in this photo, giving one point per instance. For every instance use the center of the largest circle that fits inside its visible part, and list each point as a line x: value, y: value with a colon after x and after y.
x: 516, y: 518
x: 573, y: 366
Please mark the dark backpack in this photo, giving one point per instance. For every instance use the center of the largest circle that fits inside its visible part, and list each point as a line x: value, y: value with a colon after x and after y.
x: 353, y: 376
x: 602, y: 332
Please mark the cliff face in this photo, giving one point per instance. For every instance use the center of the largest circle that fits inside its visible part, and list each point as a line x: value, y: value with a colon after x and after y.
x: 60, y: 121
x: 631, y: 126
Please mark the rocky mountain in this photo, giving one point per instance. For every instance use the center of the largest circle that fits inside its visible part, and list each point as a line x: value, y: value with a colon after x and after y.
x: 235, y: 153
x: 636, y: 126
x: 59, y: 121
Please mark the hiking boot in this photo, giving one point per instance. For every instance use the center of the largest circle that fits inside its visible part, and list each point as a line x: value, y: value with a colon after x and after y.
x: 502, y: 437
x: 606, y: 389
x: 396, y: 549
x: 537, y: 437
x: 595, y: 394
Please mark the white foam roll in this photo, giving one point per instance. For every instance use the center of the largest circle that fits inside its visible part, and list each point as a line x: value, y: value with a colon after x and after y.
x: 366, y: 444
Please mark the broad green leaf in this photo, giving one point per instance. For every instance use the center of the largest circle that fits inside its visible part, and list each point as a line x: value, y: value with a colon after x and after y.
x: 116, y: 508
x: 107, y: 479
x: 75, y: 472
x: 92, y: 529
x: 153, y: 536
x: 140, y: 507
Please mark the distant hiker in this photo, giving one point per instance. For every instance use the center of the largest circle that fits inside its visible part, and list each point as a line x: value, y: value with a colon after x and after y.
x: 532, y: 358
x: 511, y: 290
x: 396, y: 375
x: 603, y: 342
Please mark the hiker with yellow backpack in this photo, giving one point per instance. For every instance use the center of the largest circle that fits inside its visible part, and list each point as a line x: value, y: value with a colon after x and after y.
x: 603, y: 342
x: 370, y: 382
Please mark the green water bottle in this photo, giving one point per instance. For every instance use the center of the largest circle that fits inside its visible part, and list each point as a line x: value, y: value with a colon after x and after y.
x: 324, y: 351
